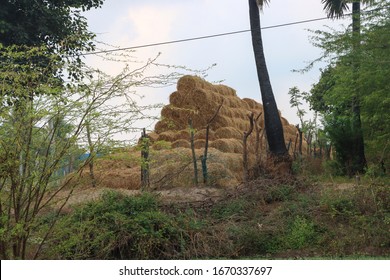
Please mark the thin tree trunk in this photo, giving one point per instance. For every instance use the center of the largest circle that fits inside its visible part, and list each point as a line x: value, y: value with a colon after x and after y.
x: 273, y: 124
x: 194, y: 160
x: 257, y: 130
x: 91, y: 155
x: 245, y: 152
x: 145, y: 181
x: 206, y: 146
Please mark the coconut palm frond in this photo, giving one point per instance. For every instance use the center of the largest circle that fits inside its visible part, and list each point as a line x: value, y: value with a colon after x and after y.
x: 335, y: 8
x: 262, y: 3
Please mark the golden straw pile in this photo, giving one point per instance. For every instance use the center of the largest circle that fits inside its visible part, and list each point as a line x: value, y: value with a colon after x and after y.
x: 198, y: 100
x: 170, y: 155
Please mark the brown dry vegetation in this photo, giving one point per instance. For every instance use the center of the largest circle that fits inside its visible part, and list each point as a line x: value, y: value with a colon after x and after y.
x: 170, y: 154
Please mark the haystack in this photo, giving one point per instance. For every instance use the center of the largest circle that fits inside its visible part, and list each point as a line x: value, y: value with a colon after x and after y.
x: 198, y: 100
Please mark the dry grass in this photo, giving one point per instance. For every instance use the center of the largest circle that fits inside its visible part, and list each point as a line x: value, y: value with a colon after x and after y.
x: 171, y: 166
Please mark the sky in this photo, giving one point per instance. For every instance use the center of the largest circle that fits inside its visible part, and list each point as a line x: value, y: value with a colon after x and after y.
x: 132, y: 23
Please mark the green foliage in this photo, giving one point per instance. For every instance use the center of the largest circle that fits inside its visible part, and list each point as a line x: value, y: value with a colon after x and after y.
x: 55, y: 23
x: 301, y: 234
x: 231, y: 210
x: 117, y: 227
x: 254, y: 242
x: 26, y: 72
x: 310, y: 222
x: 334, y: 168
x: 355, y: 85
x: 162, y: 145
x: 279, y: 193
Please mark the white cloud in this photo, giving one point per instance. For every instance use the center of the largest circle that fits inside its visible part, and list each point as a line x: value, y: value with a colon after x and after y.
x: 151, y: 24
x: 143, y: 22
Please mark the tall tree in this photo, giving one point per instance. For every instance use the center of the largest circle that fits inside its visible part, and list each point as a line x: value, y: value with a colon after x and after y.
x: 273, y: 124
x: 53, y: 22
x: 58, y: 26
x: 336, y: 9
x: 333, y: 95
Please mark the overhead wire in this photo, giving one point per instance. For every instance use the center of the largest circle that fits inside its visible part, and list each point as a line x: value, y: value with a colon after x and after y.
x: 204, y: 37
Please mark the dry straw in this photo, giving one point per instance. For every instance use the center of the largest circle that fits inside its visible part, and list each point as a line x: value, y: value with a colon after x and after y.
x: 228, y: 132
x: 198, y: 100
x: 201, y: 134
x: 181, y: 143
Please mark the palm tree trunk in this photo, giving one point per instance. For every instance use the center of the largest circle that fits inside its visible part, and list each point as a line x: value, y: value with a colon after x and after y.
x: 358, y: 158
x: 273, y: 124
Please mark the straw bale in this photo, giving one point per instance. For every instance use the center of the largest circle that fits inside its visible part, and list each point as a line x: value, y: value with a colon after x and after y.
x: 187, y: 83
x: 196, y: 99
x: 225, y: 90
x: 228, y: 132
x: 220, y: 121
x: 153, y: 136
x: 200, y: 111
x: 226, y: 111
x: 284, y: 121
x: 241, y: 124
x: 221, y: 176
x: 177, y: 118
x: 240, y: 113
x: 288, y: 136
x: 175, y: 98
x: 253, y: 105
x: 174, y: 113
x: 161, y: 145
x: 181, y: 143
x: 233, y: 113
x: 201, y: 134
x: 168, y: 135
x: 260, y: 122
x: 230, y: 161
x: 164, y: 125
x: 205, y: 100
x: 200, y: 143
x: 290, y: 129
x: 227, y: 145
x: 120, y: 178
x: 235, y: 102
x: 225, y: 169
x: 182, y: 134
x: 161, y: 126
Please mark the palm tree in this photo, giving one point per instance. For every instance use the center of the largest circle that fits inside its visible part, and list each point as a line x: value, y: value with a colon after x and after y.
x: 336, y: 9
x: 272, y: 122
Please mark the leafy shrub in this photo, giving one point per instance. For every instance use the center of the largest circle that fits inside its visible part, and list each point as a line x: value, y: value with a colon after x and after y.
x: 301, y: 234
x: 279, y: 193
x: 230, y: 209
x: 251, y: 240
x: 334, y: 168
x: 116, y: 227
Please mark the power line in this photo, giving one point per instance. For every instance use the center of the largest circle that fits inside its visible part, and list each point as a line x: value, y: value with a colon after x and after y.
x: 205, y: 37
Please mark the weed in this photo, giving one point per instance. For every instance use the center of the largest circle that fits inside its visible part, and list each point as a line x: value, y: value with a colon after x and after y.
x: 301, y: 234
x: 116, y: 227
x: 232, y: 209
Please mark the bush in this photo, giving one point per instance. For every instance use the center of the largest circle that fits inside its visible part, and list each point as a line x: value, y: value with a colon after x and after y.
x: 231, y: 209
x: 334, y: 168
x: 116, y: 227
x: 252, y: 241
x: 301, y: 234
x: 279, y: 193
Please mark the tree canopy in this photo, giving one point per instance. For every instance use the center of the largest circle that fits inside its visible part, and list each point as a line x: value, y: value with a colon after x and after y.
x: 56, y: 23
x: 332, y: 95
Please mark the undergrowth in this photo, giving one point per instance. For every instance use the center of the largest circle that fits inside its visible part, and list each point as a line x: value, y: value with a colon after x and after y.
x: 267, y: 219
